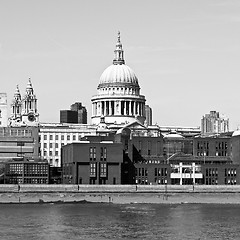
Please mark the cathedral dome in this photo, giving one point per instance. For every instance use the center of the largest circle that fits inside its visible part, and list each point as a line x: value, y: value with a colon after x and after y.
x: 118, y: 73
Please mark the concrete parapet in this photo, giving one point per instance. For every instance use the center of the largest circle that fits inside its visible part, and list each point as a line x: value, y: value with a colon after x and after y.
x: 118, y: 188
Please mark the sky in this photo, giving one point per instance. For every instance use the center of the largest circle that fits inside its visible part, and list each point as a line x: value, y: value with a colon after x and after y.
x: 186, y: 54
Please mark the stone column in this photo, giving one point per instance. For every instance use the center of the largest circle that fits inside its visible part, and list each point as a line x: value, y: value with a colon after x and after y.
x: 125, y: 108
x: 136, y: 108
x: 181, y: 174
x: 103, y: 108
x: 110, y: 108
x: 105, y: 102
x: 139, y: 109
x: 116, y: 107
x: 130, y: 107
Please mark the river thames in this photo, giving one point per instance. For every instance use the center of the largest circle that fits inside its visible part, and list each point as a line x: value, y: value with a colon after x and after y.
x: 119, y: 221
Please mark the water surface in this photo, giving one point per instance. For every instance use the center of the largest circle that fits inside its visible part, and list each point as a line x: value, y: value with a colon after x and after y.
x: 113, y: 221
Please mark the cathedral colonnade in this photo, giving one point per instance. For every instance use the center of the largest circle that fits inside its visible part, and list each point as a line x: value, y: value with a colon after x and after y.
x: 118, y: 108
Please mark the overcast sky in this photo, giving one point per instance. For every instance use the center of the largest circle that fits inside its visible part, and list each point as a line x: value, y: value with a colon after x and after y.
x: 186, y: 54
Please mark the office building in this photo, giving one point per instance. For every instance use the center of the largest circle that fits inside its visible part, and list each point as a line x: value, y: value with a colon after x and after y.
x: 214, y: 123
x: 81, y: 112
x: 68, y: 116
x: 26, y: 172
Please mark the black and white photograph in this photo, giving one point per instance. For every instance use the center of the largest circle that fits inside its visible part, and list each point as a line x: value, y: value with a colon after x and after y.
x: 119, y: 119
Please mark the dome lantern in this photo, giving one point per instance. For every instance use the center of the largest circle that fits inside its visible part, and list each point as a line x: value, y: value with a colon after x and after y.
x: 118, y: 52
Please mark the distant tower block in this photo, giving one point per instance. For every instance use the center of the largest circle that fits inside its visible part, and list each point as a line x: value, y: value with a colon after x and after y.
x: 148, y: 112
x: 213, y: 123
x: 82, y: 112
x: 3, y: 110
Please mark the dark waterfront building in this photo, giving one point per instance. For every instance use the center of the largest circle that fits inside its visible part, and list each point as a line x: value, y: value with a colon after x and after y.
x: 26, y: 171
x: 68, y: 116
x: 127, y: 158
x: 92, y: 163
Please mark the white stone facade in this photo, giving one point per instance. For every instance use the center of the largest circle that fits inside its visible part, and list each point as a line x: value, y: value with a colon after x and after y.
x: 3, y: 110
x: 54, y: 136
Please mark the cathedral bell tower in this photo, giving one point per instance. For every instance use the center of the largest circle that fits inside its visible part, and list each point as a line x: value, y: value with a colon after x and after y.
x: 24, y: 110
x: 16, y: 107
x: 29, y: 106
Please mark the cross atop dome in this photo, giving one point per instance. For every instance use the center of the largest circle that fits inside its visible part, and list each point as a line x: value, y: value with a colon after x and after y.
x: 118, y: 59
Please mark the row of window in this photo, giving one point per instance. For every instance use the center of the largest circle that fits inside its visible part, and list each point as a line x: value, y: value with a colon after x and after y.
x: 144, y: 180
x: 230, y: 172
x: 211, y: 180
x: 218, y: 153
x: 52, y: 145
x: 50, y: 153
x: 231, y: 181
x: 218, y: 145
x: 62, y: 137
x: 15, y: 132
x: 211, y: 172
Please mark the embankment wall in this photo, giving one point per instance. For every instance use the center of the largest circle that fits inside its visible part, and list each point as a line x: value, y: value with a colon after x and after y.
x: 121, y: 194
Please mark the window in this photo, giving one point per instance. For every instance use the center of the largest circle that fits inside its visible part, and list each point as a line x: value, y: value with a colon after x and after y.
x: 45, y: 137
x: 56, y: 145
x: 56, y: 137
x: 103, y: 170
x: 62, y: 137
x: 51, y: 137
x: 149, y: 148
x: 101, y: 154
x: 20, y: 143
x: 91, y: 153
x: 140, y: 147
x: 45, y: 145
x: 74, y: 137
x: 56, y: 153
x: 50, y: 153
x: 68, y: 137
x: 50, y: 145
x: 94, y: 153
x: 92, y: 169
x: 105, y: 154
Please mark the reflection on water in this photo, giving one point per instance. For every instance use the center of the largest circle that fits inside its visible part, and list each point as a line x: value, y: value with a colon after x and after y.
x: 112, y: 221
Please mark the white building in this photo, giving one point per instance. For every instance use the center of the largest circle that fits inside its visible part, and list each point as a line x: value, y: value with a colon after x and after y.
x: 3, y: 110
x: 54, y: 135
